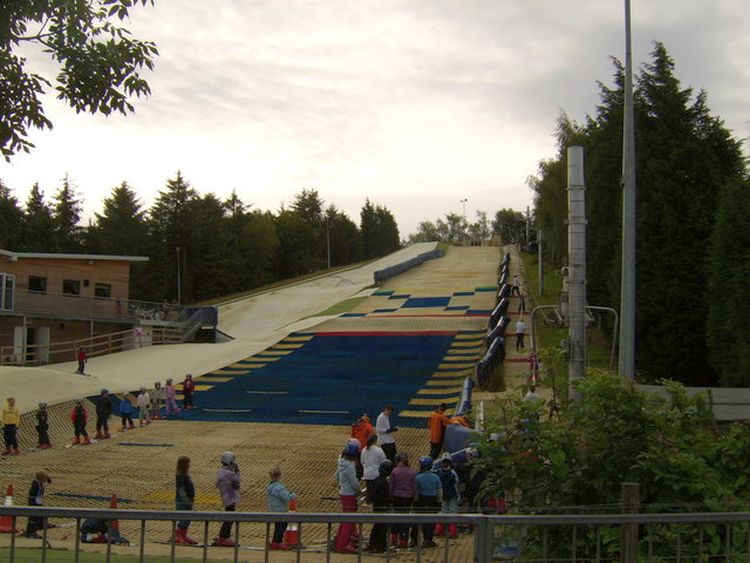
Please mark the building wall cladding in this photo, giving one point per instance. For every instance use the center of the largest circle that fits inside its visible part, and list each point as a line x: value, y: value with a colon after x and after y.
x: 88, y: 272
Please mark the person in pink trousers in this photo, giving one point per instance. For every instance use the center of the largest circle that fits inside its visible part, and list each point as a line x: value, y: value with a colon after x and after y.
x: 170, y: 395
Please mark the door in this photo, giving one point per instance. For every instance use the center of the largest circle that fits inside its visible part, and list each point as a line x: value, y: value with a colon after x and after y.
x: 42, y: 340
x: 18, y: 344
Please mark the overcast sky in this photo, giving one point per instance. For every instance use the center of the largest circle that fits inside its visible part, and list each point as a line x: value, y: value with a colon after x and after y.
x: 415, y: 104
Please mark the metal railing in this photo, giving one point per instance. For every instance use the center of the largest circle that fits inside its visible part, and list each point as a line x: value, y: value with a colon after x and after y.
x: 63, y: 305
x: 65, y: 351
x: 544, y: 538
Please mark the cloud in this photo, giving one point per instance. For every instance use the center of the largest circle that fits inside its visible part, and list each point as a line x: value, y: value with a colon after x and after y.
x: 414, y: 104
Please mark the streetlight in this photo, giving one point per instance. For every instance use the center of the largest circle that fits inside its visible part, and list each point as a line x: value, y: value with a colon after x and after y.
x: 179, y: 280
x: 463, y: 227
x: 626, y: 367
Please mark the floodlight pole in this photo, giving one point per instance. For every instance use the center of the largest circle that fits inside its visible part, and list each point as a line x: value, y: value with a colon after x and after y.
x: 626, y: 365
x: 576, y: 269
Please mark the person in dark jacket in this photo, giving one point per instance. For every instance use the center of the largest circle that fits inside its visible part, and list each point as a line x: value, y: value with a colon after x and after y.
x: 103, y: 412
x: 183, y: 498
x: 381, y: 502
x: 42, y: 426
x: 79, y: 416
x: 36, y: 497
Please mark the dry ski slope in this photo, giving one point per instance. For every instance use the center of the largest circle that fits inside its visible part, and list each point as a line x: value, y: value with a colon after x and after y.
x: 449, y: 298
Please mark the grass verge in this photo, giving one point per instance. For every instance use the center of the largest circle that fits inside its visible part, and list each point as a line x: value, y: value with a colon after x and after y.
x: 341, y: 307
x: 598, y: 341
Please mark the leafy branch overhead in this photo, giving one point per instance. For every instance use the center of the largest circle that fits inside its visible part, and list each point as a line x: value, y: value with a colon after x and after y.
x: 99, y: 62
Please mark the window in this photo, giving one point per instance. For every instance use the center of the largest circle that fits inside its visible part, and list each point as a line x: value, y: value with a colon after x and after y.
x: 72, y: 287
x: 38, y: 284
x: 103, y: 290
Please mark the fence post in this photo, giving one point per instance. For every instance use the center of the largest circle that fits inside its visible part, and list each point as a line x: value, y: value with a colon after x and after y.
x: 629, y: 532
x: 483, y: 541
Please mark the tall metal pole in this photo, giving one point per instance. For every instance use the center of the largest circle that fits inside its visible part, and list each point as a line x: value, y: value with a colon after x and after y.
x: 576, y: 268
x: 328, y: 239
x: 626, y: 365
x: 528, y: 223
x: 540, y: 250
x: 464, y: 202
x: 179, y: 278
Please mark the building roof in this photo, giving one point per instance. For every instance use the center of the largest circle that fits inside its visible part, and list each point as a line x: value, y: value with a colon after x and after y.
x: 13, y: 256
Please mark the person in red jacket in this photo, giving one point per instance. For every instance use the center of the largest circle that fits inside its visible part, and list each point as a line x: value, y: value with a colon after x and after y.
x: 437, y: 423
x: 188, y: 390
x: 82, y: 357
x: 79, y: 416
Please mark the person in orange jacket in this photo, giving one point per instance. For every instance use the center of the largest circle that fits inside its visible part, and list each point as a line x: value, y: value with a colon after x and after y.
x: 437, y: 423
x: 461, y: 420
x: 362, y: 429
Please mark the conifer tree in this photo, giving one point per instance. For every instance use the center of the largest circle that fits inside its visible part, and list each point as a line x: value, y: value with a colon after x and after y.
x: 11, y: 220
x: 39, y: 227
x: 66, y: 213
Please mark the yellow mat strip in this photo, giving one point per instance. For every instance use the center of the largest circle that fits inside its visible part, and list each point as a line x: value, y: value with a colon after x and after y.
x: 439, y: 391
x: 420, y: 402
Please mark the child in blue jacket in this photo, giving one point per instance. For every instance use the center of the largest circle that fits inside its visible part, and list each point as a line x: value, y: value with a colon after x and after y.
x: 278, y: 501
x: 126, y: 413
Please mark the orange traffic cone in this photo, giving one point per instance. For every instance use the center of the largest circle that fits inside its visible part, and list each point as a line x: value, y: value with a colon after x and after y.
x: 6, y: 522
x: 291, y: 535
x: 114, y: 525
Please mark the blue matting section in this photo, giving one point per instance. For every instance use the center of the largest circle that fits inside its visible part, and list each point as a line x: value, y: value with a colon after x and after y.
x: 427, y: 302
x: 343, y: 375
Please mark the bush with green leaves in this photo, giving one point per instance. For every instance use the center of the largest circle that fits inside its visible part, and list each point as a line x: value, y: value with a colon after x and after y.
x: 576, y: 458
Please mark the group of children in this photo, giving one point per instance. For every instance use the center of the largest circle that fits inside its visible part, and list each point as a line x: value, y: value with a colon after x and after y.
x: 394, y: 487
x: 228, y: 481
x: 147, y: 405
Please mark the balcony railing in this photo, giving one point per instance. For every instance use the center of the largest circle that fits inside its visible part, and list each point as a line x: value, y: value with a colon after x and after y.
x: 62, y: 305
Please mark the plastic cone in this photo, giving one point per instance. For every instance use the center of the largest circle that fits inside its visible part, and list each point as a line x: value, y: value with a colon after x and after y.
x: 114, y: 525
x: 291, y: 535
x: 6, y: 522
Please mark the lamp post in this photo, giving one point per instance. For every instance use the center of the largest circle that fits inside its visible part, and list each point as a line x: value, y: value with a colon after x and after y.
x: 627, y: 269
x: 464, y: 200
x: 179, y: 278
x: 328, y: 239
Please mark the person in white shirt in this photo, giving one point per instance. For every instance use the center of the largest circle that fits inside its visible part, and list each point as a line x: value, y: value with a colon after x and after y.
x: 531, y: 395
x: 385, y: 430
x: 371, y: 457
x: 516, y: 288
x: 143, y: 403
x: 520, y: 333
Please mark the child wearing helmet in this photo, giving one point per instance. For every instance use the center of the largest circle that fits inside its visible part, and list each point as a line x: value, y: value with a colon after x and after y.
x: 228, y: 482
x: 346, y: 475
x: 429, y: 498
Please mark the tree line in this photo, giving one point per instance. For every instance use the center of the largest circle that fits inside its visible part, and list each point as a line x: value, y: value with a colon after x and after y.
x: 221, y: 247
x: 693, y: 232
x: 507, y: 224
